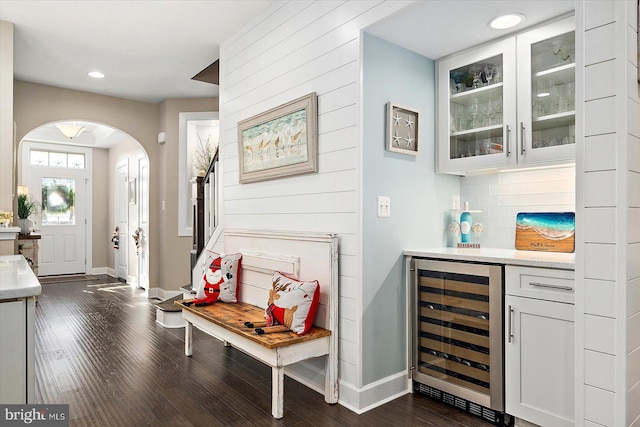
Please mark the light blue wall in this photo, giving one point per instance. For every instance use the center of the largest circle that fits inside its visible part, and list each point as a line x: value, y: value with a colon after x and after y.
x: 420, y: 199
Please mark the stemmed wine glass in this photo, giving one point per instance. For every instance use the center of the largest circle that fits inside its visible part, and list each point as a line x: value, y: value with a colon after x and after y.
x: 488, y: 73
x: 476, y: 72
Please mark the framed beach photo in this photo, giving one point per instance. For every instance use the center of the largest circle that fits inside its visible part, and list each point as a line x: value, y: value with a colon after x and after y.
x: 403, y: 129
x: 280, y: 142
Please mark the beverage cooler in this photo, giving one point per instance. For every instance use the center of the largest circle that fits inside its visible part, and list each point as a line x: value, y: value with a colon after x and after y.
x: 457, y: 335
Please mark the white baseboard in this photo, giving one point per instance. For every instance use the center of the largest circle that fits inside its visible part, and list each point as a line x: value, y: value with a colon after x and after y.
x: 102, y: 270
x: 162, y: 294
x: 361, y: 400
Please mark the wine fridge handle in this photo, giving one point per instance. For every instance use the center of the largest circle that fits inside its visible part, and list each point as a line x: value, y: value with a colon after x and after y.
x: 510, y: 328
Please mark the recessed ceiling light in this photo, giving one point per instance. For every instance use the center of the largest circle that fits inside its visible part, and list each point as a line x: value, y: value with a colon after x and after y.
x: 506, y: 21
x: 543, y: 94
x: 96, y: 74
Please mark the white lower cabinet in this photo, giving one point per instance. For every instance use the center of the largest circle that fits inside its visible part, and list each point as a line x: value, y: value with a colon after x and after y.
x: 539, y: 346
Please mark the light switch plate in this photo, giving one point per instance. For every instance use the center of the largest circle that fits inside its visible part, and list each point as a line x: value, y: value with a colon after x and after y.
x: 384, y: 207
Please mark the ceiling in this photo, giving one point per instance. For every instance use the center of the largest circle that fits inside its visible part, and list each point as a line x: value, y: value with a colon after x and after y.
x: 437, y: 28
x: 148, y: 49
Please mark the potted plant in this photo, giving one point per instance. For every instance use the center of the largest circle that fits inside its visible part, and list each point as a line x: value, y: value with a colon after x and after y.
x: 26, y: 207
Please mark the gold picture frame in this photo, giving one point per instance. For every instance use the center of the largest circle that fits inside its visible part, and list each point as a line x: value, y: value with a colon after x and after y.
x: 280, y: 142
x: 403, y: 129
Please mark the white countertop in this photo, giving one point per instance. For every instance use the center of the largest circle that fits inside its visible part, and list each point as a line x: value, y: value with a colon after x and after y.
x: 9, y: 233
x: 500, y: 256
x: 16, y: 278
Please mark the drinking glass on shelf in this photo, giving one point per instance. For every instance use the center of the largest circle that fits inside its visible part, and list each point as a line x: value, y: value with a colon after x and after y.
x: 474, y: 112
x: 458, y: 79
x: 571, y: 95
x: 497, y: 73
x: 563, y: 98
x: 488, y: 73
x: 476, y: 72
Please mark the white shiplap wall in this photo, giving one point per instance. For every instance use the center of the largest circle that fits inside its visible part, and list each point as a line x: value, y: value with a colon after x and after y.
x: 608, y: 303
x: 292, y: 49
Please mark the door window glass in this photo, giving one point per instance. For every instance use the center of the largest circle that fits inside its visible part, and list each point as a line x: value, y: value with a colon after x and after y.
x: 57, y: 159
x: 58, y: 201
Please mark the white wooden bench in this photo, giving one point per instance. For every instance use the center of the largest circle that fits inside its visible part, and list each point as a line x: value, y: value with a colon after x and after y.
x: 306, y: 256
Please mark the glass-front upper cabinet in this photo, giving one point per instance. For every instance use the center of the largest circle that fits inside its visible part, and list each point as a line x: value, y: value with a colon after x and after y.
x: 546, y: 106
x: 509, y: 103
x: 476, y: 95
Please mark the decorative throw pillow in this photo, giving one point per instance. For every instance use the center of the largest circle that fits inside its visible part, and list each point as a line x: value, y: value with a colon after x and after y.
x: 292, y: 303
x: 220, y: 280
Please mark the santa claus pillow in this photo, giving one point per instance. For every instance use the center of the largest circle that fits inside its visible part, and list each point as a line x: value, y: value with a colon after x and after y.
x: 292, y: 303
x: 220, y: 280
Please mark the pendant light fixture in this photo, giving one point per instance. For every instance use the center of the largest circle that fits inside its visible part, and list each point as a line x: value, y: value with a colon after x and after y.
x: 70, y: 130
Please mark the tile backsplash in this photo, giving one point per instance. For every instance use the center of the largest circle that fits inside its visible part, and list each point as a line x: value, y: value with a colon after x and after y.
x: 501, y: 196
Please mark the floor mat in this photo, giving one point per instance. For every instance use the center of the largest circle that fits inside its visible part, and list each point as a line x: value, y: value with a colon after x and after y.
x: 65, y: 279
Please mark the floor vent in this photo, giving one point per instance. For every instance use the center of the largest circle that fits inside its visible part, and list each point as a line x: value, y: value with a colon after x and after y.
x: 494, y: 417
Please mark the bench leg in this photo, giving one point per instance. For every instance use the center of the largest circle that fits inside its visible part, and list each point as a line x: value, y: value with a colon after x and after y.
x: 188, y: 339
x: 277, y: 391
x: 331, y: 379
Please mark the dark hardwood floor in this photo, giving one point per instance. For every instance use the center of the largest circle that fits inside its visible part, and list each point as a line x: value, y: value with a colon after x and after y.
x: 99, y: 349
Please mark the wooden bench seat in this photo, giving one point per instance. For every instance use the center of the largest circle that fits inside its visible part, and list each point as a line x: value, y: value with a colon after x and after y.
x: 233, y: 316
x: 315, y: 255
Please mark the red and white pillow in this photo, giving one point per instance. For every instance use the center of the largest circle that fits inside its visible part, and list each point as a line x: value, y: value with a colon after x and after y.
x: 292, y: 303
x: 220, y: 280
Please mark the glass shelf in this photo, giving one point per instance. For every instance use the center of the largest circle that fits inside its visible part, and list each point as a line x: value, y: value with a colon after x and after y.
x: 483, y: 132
x: 459, y: 98
x: 567, y: 118
x: 568, y: 69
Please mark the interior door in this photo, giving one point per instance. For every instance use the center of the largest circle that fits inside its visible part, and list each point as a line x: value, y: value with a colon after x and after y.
x: 122, y: 219
x: 143, y: 222
x: 61, y: 193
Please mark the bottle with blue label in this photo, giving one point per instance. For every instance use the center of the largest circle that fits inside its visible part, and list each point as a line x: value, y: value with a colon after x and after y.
x: 465, y: 224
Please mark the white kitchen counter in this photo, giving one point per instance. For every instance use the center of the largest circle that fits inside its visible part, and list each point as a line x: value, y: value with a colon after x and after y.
x: 500, y: 256
x: 9, y: 233
x: 17, y: 279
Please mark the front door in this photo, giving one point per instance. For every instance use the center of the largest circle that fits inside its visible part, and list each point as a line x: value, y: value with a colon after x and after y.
x: 61, y: 193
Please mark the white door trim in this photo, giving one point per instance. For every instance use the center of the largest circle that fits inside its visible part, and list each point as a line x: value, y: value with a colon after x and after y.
x: 25, y: 172
x: 184, y: 175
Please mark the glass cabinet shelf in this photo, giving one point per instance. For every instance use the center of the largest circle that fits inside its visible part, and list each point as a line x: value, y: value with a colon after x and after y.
x: 567, y: 70
x: 567, y: 118
x: 483, y: 132
x: 463, y: 97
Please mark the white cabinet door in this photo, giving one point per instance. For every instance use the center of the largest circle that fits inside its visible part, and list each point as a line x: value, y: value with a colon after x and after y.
x: 546, y: 93
x: 476, y: 114
x: 509, y: 103
x: 13, y: 352
x: 539, y: 361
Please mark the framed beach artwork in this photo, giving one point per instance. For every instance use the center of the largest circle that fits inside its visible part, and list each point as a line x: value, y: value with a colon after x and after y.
x: 280, y: 142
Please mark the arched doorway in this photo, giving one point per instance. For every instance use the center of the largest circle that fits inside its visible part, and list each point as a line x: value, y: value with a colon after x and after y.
x: 84, y: 191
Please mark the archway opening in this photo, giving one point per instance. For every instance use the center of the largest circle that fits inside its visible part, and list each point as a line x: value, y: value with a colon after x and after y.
x: 91, y: 184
